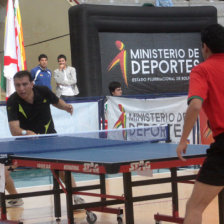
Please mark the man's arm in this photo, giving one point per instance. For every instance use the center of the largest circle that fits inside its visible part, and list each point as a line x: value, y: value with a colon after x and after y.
x: 57, y: 77
x: 15, y: 129
x: 189, y: 121
x: 64, y: 106
x: 71, y: 72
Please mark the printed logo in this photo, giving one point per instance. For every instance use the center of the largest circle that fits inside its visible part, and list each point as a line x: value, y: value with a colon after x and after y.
x: 147, y: 62
x: 120, y: 59
x: 91, y: 168
x: 22, y: 111
x: 122, y: 121
x: 140, y: 166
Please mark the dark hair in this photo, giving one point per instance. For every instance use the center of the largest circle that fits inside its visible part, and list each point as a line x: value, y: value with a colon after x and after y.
x: 112, y: 86
x: 42, y: 56
x: 213, y: 37
x: 61, y: 56
x: 22, y: 74
x: 148, y: 5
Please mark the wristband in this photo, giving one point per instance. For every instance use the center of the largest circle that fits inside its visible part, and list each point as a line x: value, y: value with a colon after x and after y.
x: 24, y: 132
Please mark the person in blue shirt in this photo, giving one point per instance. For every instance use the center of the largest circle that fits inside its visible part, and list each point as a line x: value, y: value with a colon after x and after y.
x: 164, y: 3
x: 41, y: 75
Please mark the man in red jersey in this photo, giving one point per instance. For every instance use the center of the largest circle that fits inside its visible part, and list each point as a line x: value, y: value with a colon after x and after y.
x: 206, y: 90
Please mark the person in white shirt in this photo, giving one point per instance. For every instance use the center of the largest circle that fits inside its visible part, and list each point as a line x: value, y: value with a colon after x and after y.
x: 65, y: 77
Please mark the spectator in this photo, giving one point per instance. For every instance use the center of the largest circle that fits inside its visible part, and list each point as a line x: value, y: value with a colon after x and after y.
x: 115, y: 89
x: 164, y: 3
x: 41, y: 75
x: 65, y: 77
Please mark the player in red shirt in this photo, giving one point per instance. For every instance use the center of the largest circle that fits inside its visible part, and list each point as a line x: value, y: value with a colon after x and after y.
x: 206, y: 90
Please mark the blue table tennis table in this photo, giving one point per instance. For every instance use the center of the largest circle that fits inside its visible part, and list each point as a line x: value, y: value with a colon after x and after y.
x: 101, y: 157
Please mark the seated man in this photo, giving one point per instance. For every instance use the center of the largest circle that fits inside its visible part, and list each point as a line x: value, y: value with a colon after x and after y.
x: 115, y: 89
x: 29, y: 113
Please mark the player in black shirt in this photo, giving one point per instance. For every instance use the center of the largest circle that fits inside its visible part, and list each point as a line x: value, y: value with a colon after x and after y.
x: 28, y: 108
x: 29, y: 113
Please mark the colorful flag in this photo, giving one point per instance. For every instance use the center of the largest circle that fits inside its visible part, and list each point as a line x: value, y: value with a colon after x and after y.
x: 10, y: 55
x: 19, y: 38
x: 3, y: 81
x: 14, y: 52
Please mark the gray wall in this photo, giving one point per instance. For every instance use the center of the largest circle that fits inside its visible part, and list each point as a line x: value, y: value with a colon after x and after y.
x: 44, y: 21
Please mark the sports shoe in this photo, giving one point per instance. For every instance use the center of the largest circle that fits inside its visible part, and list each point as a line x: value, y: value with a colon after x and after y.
x: 78, y: 200
x: 14, y: 202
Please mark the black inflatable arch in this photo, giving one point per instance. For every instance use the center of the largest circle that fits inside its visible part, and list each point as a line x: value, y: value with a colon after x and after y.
x: 151, y: 39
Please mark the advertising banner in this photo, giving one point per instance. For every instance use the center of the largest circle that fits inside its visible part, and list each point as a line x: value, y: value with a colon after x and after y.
x: 147, y: 49
x: 129, y: 113
x: 149, y: 63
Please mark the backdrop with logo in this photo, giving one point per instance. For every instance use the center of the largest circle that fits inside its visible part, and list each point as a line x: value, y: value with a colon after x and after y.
x: 129, y: 112
x: 147, y: 49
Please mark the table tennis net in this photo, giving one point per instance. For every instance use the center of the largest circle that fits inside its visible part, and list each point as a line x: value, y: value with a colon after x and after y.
x: 85, y: 140
x: 146, y: 133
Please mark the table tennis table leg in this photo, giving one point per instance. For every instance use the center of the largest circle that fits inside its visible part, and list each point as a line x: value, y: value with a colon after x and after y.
x: 3, y: 207
x: 68, y: 183
x: 174, y: 188
x: 57, y: 198
x: 129, y: 212
x: 103, y: 186
x: 3, y: 218
x: 221, y: 207
x: 175, y: 204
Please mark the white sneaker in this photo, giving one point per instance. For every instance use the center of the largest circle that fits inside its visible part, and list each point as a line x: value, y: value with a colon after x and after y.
x: 14, y: 202
x: 78, y: 200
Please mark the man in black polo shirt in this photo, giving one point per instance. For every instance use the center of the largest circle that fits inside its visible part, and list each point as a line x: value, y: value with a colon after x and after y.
x: 29, y: 113
x: 29, y: 108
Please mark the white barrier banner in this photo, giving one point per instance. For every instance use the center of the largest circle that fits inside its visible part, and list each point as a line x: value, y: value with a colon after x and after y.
x: 128, y: 112
x: 4, y: 126
x: 85, y: 118
x: 2, y: 178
